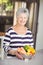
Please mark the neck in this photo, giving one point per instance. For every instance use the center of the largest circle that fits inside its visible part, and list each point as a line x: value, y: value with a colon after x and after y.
x: 20, y: 26
x: 20, y: 29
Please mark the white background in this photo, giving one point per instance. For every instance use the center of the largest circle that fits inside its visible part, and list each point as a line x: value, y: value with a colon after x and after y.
x: 39, y: 42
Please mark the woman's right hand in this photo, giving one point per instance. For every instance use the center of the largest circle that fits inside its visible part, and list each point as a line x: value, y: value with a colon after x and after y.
x: 20, y: 52
x: 18, y: 55
x: 15, y: 52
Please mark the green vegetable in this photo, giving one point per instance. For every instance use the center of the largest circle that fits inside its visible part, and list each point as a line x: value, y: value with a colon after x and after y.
x: 26, y: 47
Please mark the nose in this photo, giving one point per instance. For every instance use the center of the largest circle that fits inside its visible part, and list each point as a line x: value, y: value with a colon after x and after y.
x: 23, y: 18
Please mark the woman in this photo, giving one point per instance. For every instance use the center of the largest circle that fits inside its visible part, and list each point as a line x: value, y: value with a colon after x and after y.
x: 18, y: 35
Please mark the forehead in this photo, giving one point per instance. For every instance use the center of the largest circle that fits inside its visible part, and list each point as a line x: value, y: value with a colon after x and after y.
x: 22, y: 14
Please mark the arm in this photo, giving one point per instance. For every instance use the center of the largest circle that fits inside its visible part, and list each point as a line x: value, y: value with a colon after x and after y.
x: 31, y: 40
x: 7, y: 48
x: 6, y: 44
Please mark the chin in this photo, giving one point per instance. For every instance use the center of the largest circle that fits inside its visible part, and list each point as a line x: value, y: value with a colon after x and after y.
x: 22, y: 24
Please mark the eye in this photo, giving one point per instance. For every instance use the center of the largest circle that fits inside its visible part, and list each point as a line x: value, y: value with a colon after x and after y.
x: 21, y: 17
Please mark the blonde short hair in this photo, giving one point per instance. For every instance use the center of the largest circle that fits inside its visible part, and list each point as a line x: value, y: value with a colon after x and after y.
x: 22, y: 10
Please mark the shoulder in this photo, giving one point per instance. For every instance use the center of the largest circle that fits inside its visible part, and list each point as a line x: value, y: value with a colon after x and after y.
x: 9, y: 30
x: 29, y: 32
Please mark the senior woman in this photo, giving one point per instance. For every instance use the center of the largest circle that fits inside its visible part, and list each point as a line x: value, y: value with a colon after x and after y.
x: 18, y: 35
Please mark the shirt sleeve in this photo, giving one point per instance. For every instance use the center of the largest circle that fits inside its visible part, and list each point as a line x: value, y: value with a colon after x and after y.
x: 32, y: 40
x: 6, y: 42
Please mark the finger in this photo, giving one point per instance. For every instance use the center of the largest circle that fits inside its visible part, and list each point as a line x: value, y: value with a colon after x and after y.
x: 19, y: 56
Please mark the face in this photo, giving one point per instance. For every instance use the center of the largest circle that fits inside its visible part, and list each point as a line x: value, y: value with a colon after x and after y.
x: 22, y: 19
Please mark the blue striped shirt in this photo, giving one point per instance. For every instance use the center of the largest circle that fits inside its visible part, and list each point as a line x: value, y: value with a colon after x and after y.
x: 12, y: 40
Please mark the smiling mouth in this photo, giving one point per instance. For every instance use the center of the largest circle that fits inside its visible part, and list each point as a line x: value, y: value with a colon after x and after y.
x: 22, y: 21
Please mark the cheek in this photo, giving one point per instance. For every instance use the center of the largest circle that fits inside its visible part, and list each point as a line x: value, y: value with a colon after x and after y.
x: 25, y: 20
x: 20, y: 20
